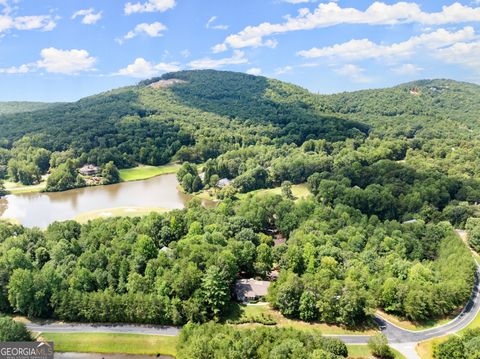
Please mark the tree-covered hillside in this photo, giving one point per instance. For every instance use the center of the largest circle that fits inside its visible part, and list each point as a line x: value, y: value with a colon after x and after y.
x: 390, y: 173
x: 22, y: 106
x: 142, y: 124
x: 420, y: 109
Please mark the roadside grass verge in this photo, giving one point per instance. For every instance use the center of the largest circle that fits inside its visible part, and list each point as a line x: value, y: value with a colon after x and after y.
x: 145, y: 172
x: 416, y: 326
x: 117, y: 212
x: 255, y: 315
x: 362, y: 351
x: 113, y: 343
x: 425, y: 349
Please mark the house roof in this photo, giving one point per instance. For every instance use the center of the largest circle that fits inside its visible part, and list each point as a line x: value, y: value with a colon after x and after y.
x: 89, y: 167
x: 250, y: 288
x: 224, y: 182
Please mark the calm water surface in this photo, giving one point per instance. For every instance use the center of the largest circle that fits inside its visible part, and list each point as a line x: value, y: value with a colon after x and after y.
x: 41, y: 209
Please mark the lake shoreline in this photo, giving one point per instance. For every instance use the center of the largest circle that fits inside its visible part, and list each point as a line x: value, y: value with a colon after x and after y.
x: 138, y: 173
x: 42, y: 209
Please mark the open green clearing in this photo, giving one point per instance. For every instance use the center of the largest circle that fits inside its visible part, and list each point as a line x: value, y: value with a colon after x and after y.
x: 113, y: 343
x: 256, y: 312
x: 299, y: 191
x: 145, y: 172
x: 362, y: 351
x: 18, y: 188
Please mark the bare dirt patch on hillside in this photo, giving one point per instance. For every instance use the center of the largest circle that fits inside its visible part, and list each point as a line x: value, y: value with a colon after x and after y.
x: 166, y: 83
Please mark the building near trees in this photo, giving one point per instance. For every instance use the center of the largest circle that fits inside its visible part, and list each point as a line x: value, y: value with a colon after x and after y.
x: 89, y: 170
x: 247, y: 290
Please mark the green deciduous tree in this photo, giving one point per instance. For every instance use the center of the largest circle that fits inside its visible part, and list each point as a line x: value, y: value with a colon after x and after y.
x: 11, y: 331
x: 215, y: 291
x: 378, y: 344
x: 110, y: 173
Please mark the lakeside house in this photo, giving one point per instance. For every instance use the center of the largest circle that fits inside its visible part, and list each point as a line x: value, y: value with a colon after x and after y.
x: 224, y: 182
x: 247, y: 290
x: 89, y: 170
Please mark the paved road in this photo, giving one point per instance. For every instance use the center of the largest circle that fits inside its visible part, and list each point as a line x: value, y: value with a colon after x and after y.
x: 399, y: 335
x: 401, y: 339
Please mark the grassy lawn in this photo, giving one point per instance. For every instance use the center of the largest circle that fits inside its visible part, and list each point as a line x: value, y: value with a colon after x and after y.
x: 299, y: 191
x: 145, y: 172
x: 117, y: 212
x: 362, y: 351
x: 18, y: 188
x: 425, y: 349
x: 416, y: 326
x: 113, y: 343
x: 241, y: 312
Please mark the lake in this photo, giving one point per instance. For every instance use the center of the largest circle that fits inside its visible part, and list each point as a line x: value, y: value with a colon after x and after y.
x: 41, y: 209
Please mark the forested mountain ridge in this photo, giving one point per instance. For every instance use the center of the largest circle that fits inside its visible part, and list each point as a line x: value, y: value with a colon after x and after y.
x: 199, y: 115
x: 424, y: 108
x: 141, y: 124
x: 445, y: 98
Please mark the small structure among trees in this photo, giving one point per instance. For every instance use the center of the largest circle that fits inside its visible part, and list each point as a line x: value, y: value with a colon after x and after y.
x: 247, y: 290
x: 224, y: 182
x: 89, y: 170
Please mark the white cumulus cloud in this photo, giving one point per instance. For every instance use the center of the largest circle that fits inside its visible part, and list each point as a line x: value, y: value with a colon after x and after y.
x: 65, y: 61
x: 353, y: 72
x: 254, y: 71
x: 407, y: 69
x: 89, y: 16
x: 237, y: 58
x: 465, y: 54
x: 149, y: 6
x: 153, y: 30
x: 366, y: 49
x: 142, y: 68
x: 34, y: 22
x: 22, y: 69
x: 331, y: 14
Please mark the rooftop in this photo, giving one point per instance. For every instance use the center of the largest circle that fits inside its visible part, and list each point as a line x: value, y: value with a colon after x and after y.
x: 248, y: 289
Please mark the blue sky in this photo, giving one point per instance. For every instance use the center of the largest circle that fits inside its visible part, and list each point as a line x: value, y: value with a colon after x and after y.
x: 62, y: 50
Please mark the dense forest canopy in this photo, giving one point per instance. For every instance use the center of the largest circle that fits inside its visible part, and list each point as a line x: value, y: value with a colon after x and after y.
x: 12, y: 107
x: 388, y: 180
x: 209, y: 113
x: 337, y: 266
